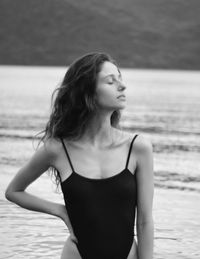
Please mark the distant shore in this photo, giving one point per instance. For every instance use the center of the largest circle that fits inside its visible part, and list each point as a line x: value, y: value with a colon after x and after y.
x: 138, y: 34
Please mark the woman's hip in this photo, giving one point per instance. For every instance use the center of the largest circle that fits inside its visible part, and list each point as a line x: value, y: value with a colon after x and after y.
x: 70, y: 250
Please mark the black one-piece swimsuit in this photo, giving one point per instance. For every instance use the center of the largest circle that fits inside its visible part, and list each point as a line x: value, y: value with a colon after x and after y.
x: 102, y: 212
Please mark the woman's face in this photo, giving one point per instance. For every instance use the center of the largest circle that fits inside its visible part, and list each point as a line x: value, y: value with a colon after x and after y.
x: 110, y: 87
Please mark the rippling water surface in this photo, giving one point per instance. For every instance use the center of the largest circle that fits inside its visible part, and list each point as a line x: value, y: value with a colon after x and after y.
x: 162, y: 105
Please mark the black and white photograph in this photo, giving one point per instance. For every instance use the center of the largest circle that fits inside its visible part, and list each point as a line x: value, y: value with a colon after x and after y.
x: 99, y: 129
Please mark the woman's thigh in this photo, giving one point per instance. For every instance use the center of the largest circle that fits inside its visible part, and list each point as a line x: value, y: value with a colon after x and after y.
x: 70, y: 250
x: 133, y: 254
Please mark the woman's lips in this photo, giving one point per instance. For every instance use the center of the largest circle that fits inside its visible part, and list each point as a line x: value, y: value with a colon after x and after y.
x: 121, y: 97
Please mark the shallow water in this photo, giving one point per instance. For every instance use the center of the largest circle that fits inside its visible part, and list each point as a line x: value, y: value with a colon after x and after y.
x: 26, y: 234
x: 162, y: 105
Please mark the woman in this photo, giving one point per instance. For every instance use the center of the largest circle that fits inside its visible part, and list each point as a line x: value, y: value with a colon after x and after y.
x: 105, y: 173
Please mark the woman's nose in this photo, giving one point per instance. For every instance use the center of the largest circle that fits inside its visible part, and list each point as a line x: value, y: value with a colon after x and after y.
x: 121, y: 86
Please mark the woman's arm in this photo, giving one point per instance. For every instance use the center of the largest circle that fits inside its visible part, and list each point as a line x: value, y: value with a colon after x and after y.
x: 35, y: 167
x: 145, y: 192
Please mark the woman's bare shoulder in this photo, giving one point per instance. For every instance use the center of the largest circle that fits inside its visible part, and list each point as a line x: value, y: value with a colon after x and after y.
x: 142, y: 144
x: 53, y: 146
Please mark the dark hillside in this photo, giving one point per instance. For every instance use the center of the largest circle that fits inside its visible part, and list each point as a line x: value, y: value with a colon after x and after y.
x: 137, y: 33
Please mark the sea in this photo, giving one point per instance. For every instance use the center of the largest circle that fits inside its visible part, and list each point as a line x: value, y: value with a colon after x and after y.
x: 163, y: 105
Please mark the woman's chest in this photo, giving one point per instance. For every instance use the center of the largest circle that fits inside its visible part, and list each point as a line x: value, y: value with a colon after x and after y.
x: 96, y: 164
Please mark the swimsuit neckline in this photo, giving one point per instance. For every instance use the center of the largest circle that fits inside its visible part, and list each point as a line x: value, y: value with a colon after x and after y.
x: 97, y: 179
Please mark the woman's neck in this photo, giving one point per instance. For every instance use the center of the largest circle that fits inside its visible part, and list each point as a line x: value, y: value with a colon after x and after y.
x: 99, y: 132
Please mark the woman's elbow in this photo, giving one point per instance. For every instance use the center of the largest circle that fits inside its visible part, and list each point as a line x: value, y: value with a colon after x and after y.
x: 14, y: 187
x: 10, y: 193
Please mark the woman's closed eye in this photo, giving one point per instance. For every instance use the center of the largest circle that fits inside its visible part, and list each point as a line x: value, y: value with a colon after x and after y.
x: 110, y: 82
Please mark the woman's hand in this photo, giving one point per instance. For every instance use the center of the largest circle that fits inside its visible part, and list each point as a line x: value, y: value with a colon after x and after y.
x: 62, y: 213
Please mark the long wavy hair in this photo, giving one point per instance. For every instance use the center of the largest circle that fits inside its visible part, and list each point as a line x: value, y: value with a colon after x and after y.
x: 73, y: 103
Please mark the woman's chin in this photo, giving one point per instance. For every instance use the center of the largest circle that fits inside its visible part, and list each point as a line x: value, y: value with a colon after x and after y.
x: 122, y: 105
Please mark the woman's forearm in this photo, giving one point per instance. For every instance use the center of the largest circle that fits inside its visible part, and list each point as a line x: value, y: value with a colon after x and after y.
x: 145, y: 237
x: 34, y: 203
x: 31, y: 202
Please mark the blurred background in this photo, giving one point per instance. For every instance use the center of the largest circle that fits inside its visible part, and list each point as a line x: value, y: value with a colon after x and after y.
x: 138, y: 33
x: 157, y: 46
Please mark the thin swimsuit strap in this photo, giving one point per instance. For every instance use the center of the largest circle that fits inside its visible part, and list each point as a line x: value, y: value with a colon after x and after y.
x: 127, y: 161
x: 67, y: 154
